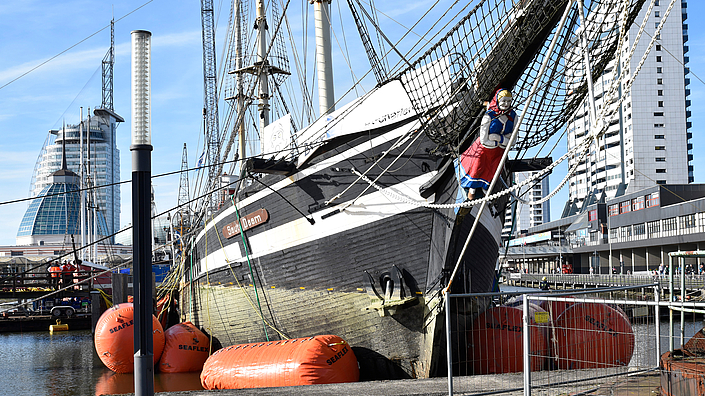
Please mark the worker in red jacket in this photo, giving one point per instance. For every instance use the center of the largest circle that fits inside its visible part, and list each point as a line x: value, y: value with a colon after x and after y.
x: 54, y: 272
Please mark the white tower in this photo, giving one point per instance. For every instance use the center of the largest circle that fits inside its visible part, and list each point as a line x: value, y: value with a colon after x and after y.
x: 647, y: 141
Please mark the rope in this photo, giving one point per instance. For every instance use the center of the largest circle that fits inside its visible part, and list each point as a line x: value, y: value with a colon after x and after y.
x: 249, y: 264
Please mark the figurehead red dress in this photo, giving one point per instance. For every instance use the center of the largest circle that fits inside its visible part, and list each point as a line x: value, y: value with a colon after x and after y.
x: 477, y: 165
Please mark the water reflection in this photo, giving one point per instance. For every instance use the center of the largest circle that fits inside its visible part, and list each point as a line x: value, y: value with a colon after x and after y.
x: 40, y: 363
x: 645, y: 340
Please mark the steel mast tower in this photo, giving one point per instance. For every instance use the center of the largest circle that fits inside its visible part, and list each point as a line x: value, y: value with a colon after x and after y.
x: 210, y: 97
x: 183, y: 200
x: 108, y: 62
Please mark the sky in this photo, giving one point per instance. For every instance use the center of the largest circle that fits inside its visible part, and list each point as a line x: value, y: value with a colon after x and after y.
x: 50, y: 66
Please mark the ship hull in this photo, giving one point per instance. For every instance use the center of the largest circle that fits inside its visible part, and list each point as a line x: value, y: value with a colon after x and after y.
x: 366, y: 266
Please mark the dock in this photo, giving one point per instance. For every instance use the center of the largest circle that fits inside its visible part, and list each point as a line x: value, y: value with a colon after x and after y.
x: 693, y: 283
x: 637, y: 385
x: 21, y: 323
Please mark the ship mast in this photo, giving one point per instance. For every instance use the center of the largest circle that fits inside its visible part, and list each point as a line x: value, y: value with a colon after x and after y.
x: 326, y: 96
x: 262, y: 64
x: 240, y: 96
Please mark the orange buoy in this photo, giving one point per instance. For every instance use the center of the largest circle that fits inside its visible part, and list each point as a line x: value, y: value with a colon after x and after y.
x: 186, y: 349
x: 161, y: 311
x: 555, y: 308
x: 496, y: 344
x: 114, y: 338
x: 592, y: 335
x: 323, y: 359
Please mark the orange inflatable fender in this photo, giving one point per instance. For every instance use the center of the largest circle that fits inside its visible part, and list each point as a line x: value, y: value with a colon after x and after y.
x: 114, y: 338
x: 323, y: 359
x: 593, y: 335
x: 185, y: 350
x: 496, y: 343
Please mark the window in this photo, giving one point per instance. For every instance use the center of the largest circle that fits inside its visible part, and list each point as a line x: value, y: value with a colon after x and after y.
x: 660, y: 92
x: 660, y: 170
x: 659, y: 136
x: 659, y: 148
x: 658, y: 125
x: 613, y: 234
x: 658, y: 114
x: 669, y: 224
x: 624, y: 207
x: 659, y: 70
x: 638, y: 203
x: 657, y: 14
x: 660, y: 103
x: 659, y: 81
x: 626, y: 232
x: 687, y: 221
x: 613, y: 209
x: 15, y: 253
x: 658, y: 58
x: 660, y: 182
x: 652, y: 199
x: 592, y: 215
x: 660, y: 159
x: 653, y: 228
x: 639, y: 229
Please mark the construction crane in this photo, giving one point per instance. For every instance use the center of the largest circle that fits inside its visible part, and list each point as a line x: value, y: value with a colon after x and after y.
x: 210, y: 99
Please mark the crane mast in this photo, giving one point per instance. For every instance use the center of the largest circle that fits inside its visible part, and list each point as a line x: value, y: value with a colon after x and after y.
x: 210, y: 98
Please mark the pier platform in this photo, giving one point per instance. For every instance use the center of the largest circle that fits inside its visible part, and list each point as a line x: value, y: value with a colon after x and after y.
x: 693, y: 283
x: 636, y: 385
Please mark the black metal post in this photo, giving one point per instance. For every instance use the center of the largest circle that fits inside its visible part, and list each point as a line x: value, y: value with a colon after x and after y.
x: 142, y: 265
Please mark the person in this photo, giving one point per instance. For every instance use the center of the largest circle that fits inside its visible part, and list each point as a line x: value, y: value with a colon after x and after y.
x: 592, y: 270
x: 54, y: 270
x: 477, y: 165
x: 544, y: 284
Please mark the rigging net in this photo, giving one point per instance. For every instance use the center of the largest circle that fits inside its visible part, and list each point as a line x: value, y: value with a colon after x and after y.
x: 502, y: 43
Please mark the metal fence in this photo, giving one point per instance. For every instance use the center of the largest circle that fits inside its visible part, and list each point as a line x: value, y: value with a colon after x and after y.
x: 578, y: 341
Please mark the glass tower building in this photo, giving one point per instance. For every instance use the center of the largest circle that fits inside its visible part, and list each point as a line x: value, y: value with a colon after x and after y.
x: 104, y: 159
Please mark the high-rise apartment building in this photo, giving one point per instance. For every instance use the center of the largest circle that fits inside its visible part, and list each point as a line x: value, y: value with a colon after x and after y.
x: 648, y: 138
x: 104, y: 162
x: 526, y: 215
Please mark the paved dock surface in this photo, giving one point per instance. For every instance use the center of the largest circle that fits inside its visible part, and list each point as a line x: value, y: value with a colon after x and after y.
x: 505, y: 384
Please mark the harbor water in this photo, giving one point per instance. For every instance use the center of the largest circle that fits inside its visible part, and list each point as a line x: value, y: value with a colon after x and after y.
x: 65, y: 363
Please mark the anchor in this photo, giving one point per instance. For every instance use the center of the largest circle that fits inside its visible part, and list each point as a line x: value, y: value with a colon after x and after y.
x: 396, y: 294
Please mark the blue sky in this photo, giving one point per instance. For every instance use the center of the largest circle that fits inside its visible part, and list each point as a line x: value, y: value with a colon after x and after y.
x: 37, y: 30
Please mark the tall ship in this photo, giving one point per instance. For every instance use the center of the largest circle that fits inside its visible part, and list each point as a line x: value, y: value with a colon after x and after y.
x: 357, y: 224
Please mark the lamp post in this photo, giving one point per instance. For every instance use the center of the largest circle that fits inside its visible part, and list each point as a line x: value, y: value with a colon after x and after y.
x: 141, y: 149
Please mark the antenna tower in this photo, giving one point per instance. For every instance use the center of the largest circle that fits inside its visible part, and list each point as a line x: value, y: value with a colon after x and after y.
x: 184, y: 206
x: 108, y: 62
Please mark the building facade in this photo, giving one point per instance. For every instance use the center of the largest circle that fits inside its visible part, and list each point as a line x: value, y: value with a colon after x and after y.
x: 648, y: 138
x: 523, y: 216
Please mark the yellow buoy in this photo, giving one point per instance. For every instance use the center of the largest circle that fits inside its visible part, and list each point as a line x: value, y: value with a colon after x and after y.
x: 58, y: 327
